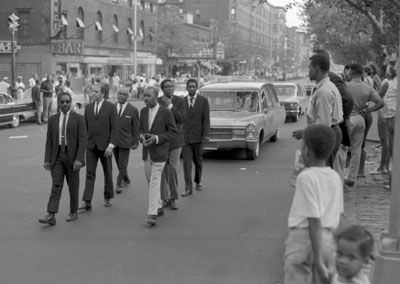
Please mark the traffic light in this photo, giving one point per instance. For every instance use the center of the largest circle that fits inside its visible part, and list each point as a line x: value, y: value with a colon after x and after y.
x: 13, y: 22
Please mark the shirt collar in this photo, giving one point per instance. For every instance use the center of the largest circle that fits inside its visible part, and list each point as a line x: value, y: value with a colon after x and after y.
x: 356, y: 80
x: 320, y: 83
x: 156, y: 107
x: 67, y: 114
x: 194, y: 97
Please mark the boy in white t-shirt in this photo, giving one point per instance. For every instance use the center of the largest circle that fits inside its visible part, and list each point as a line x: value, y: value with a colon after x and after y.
x: 315, y: 212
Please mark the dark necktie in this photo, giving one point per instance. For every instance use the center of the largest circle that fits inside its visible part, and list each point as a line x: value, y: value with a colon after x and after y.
x: 120, y: 110
x: 191, y: 102
x: 63, y: 133
x: 97, y: 108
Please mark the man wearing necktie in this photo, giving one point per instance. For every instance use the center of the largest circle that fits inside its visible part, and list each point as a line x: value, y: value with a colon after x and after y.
x: 64, y: 157
x: 101, y: 120
x: 127, y: 138
x: 157, y: 127
x: 196, y: 131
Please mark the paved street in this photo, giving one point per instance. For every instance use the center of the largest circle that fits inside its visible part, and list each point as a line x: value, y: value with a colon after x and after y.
x: 232, y: 232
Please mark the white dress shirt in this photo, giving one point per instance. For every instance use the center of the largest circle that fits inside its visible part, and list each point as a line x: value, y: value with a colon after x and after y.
x: 60, y: 123
x: 98, y: 107
x: 194, y: 100
x: 152, y: 114
x: 119, y: 106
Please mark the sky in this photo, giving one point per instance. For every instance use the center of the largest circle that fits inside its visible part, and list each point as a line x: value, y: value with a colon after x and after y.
x: 292, y: 19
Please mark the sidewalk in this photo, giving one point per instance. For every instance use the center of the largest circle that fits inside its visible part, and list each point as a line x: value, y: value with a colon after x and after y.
x: 368, y: 202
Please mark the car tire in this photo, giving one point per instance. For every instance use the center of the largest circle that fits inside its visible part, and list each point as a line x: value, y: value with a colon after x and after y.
x: 274, y: 137
x: 15, y: 122
x: 253, y: 154
x: 296, y: 117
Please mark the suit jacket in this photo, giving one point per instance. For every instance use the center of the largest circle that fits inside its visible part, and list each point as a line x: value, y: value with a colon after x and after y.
x: 163, y: 126
x: 103, y: 127
x: 197, y: 123
x: 76, y: 139
x: 179, y: 112
x: 128, y: 127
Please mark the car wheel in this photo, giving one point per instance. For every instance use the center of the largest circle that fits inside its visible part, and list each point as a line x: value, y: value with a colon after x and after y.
x: 296, y: 117
x: 253, y: 154
x: 15, y: 122
x: 275, y: 137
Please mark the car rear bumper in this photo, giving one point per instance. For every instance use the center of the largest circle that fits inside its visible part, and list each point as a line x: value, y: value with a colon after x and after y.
x: 232, y: 144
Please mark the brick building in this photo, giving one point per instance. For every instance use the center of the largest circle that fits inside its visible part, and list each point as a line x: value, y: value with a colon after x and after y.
x: 80, y: 37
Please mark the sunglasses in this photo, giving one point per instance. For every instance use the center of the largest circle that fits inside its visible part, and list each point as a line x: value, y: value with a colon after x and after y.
x: 65, y: 102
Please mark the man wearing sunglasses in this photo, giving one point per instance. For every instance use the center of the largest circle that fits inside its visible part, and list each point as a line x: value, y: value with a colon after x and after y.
x: 64, y: 157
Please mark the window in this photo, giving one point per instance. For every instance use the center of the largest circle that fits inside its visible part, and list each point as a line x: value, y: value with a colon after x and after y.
x: 142, y: 5
x: 129, y: 31
x: 141, y: 31
x: 151, y: 34
x: 64, y: 21
x: 233, y: 14
x: 24, y: 30
x: 151, y: 8
x: 115, y: 28
x: 197, y: 12
x: 98, y: 27
x: 80, y: 24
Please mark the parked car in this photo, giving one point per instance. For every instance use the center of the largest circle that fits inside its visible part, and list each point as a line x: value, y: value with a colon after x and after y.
x: 180, y: 90
x: 293, y: 97
x: 12, y: 112
x: 243, y: 116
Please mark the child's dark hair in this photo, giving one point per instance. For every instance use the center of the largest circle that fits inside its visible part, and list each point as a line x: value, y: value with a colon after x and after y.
x: 320, y: 139
x: 360, y: 235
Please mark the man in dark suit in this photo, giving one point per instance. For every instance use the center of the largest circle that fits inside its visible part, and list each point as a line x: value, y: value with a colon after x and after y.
x: 101, y: 120
x: 64, y: 157
x: 196, y: 131
x: 157, y: 127
x: 169, y: 179
x: 128, y: 136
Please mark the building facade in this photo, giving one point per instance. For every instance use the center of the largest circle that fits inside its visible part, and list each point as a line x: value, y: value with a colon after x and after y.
x: 80, y: 38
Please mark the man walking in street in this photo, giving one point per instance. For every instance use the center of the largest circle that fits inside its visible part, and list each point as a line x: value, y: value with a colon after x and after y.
x: 196, y: 131
x: 47, y: 89
x: 101, y: 120
x: 157, y: 127
x: 115, y: 82
x: 127, y: 138
x: 37, y: 101
x: 361, y: 94
x: 169, y: 180
x: 4, y: 86
x: 64, y: 157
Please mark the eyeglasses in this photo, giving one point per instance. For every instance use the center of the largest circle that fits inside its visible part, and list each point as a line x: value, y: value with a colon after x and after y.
x: 169, y: 86
x: 65, y: 102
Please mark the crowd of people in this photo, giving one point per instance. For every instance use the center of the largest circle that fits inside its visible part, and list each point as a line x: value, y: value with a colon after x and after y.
x: 165, y: 125
x: 338, y: 120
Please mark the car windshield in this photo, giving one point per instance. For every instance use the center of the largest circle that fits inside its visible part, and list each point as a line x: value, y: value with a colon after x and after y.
x: 232, y: 100
x: 285, y: 92
x: 180, y: 87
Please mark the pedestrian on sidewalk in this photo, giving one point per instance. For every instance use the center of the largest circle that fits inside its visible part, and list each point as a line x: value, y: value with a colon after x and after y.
x: 355, y: 246
x: 46, y: 87
x: 315, y: 211
x: 362, y: 94
x: 169, y: 179
x: 64, y: 157
x: 157, y: 127
x: 127, y: 138
x: 101, y: 121
x: 37, y: 101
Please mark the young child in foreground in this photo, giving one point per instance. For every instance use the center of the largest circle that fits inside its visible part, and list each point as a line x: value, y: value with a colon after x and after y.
x: 354, y: 250
x: 315, y: 212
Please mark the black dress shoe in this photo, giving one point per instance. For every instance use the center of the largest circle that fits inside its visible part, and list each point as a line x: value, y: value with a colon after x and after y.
x: 199, y: 187
x: 166, y: 203
x: 172, y: 205
x: 160, y: 212
x: 186, y: 193
x: 87, y: 206
x: 107, y: 202
x: 118, y: 190
x: 49, y: 219
x: 349, y: 183
x: 152, y: 220
x: 72, y: 217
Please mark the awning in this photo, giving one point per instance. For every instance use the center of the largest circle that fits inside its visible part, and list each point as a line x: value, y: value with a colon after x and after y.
x: 206, y: 64
x: 98, y: 26
x: 129, y: 31
x: 95, y: 60
x: 79, y: 23
x: 217, y: 67
x: 115, y: 28
x: 64, y: 20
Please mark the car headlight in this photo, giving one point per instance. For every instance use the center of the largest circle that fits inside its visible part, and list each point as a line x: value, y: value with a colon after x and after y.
x: 251, y: 133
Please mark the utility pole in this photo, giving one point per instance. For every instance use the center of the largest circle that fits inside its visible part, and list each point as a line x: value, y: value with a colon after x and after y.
x: 135, y: 38
x: 13, y: 24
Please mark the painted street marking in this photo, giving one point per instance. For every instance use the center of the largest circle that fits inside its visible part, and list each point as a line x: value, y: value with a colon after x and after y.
x: 19, y: 137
